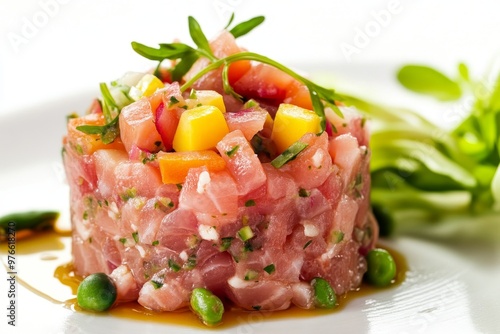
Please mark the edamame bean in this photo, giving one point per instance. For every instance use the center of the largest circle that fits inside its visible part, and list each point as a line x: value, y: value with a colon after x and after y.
x: 324, y: 295
x: 381, y: 267
x: 207, y: 306
x: 97, y: 292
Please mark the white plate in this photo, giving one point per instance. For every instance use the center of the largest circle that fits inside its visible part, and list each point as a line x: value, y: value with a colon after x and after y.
x: 449, y: 288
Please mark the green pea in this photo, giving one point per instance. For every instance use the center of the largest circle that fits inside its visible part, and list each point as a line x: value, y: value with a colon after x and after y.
x: 97, y: 292
x: 381, y: 267
x: 324, y: 295
x: 207, y: 306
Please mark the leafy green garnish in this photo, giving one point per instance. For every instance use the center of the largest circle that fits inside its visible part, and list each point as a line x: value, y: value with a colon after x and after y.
x: 427, y: 80
x: 186, y: 56
x: 109, y: 131
x: 245, y: 27
x: 199, y: 38
x: 421, y: 172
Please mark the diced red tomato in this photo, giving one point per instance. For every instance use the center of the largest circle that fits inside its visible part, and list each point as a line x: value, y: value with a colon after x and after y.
x: 237, y: 70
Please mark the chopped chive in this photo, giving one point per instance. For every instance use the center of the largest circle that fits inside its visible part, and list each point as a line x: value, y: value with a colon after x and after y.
x: 334, y: 128
x: 226, y: 243
x: 135, y: 235
x: 337, y: 236
x: 174, y: 266
x: 128, y: 194
x: 307, y: 244
x: 289, y: 154
x: 250, y: 103
x: 304, y: 193
x: 247, y: 247
x: 270, y: 268
x: 192, y: 94
x: 249, y: 203
x: 155, y: 243
x: 123, y: 240
x: 147, y: 159
x: 173, y: 100
x: 191, y: 262
x: 251, y: 274
x: 245, y: 233
x: 156, y: 284
x: 232, y: 151
x: 257, y: 307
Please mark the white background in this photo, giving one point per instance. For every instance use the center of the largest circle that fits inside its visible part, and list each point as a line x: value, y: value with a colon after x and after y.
x: 52, y: 48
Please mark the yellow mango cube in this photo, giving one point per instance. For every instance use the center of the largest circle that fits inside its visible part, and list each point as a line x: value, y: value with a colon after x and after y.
x: 206, y: 98
x: 146, y: 86
x: 291, y: 123
x: 200, y: 128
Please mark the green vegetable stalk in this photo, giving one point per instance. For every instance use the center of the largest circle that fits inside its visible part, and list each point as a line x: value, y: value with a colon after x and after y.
x: 422, y: 173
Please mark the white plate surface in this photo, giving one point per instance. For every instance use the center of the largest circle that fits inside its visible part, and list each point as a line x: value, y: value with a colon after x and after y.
x: 449, y: 288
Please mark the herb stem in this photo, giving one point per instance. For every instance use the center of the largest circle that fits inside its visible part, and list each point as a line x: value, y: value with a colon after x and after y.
x: 317, y: 92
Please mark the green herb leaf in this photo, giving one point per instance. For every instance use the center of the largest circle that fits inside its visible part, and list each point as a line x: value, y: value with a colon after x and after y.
x: 171, y: 51
x: 429, y: 81
x: 199, y: 37
x: 244, y: 28
x: 463, y: 70
x: 110, y: 109
x: 230, y: 21
x: 183, y: 66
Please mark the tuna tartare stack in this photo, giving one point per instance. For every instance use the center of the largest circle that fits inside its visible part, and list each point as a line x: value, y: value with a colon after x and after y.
x: 178, y: 184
